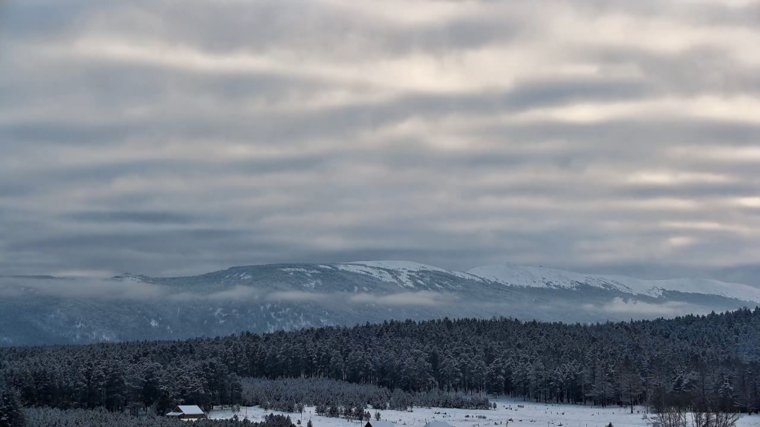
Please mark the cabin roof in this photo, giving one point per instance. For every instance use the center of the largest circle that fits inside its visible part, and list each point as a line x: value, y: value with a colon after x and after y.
x: 190, y: 409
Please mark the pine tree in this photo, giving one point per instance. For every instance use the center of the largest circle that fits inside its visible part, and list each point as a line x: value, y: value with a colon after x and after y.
x: 10, y: 409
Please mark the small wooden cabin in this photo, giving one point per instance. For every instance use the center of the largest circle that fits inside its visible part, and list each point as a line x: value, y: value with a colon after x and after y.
x: 187, y: 413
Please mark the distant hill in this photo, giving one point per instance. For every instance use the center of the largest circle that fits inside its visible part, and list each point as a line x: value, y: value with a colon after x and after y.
x: 261, y: 298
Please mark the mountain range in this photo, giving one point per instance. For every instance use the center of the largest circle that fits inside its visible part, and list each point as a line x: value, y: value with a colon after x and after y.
x: 39, y: 310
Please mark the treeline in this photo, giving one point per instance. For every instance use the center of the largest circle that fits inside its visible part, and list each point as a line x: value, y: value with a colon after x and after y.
x: 122, y: 377
x: 334, y: 397
x: 48, y: 417
x: 713, y: 360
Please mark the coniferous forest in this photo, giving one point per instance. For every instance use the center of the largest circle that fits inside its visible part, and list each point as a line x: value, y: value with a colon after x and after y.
x: 696, y: 362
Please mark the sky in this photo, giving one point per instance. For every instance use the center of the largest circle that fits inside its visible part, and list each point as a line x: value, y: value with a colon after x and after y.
x: 177, y: 137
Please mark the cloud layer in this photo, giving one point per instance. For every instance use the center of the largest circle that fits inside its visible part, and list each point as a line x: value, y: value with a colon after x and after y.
x: 168, y: 137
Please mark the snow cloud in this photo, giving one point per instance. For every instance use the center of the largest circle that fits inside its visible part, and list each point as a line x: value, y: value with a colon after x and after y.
x: 176, y: 137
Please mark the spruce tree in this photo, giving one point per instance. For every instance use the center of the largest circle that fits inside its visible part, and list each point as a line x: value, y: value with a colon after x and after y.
x: 11, y: 414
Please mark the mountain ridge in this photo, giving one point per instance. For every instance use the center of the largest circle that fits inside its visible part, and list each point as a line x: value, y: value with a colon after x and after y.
x: 511, y: 275
x: 652, y: 287
x: 271, y: 297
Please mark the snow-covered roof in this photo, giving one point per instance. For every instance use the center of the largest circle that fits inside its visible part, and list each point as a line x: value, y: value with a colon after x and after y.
x: 191, y: 409
x: 436, y: 423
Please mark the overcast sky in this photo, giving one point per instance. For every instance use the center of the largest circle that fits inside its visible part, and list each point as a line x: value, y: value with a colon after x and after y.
x: 171, y: 137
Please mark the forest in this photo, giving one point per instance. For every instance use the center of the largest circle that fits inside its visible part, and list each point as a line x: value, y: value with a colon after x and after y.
x: 330, y: 396
x: 43, y: 417
x: 700, y: 362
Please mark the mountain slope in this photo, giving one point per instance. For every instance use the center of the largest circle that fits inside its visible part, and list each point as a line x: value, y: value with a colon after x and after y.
x: 260, y: 298
x: 511, y: 275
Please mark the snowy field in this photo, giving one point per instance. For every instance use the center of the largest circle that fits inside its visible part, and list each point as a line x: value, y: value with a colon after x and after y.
x: 509, y: 413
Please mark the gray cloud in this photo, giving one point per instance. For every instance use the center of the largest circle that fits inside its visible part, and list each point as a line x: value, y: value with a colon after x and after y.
x: 169, y: 137
x: 133, y: 217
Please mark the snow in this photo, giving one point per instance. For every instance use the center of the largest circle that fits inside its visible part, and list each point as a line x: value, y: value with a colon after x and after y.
x: 293, y: 270
x: 398, y: 265
x: 707, y: 286
x: 533, y: 277
x: 190, y: 409
x: 522, y: 414
x: 311, y: 284
x: 377, y: 273
x: 541, y: 277
x: 399, y: 272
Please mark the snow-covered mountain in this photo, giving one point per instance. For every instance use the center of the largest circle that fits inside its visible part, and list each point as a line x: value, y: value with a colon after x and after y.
x: 541, y: 277
x: 43, y: 310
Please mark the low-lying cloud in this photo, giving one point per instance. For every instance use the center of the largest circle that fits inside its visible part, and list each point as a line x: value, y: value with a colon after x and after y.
x: 130, y: 289
x: 637, y: 308
x: 80, y: 288
x: 422, y: 298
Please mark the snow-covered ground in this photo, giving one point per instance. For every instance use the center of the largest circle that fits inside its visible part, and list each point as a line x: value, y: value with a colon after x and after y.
x: 508, y: 413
